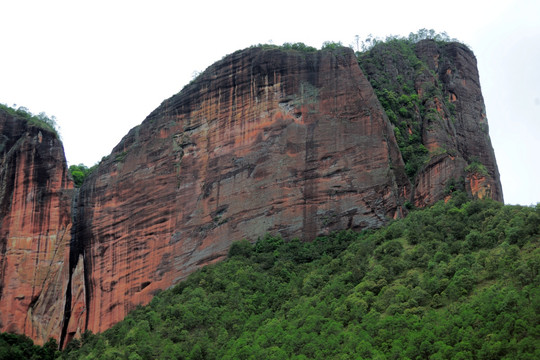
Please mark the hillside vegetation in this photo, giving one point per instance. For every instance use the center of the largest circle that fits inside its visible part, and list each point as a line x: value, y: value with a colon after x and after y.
x: 459, y: 280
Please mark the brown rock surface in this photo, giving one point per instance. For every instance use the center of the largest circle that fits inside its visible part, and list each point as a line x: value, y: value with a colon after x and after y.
x: 289, y: 143
x: 35, y: 225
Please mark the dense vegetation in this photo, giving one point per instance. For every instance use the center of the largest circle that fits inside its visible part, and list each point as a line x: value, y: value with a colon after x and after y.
x: 301, y: 47
x: 459, y: 280
x: 42, y: 120
x: 20, y: 347
x: 80, y: 172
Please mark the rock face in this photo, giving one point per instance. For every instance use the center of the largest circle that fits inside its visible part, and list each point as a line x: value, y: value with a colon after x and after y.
x: 35, y: 225
x: 265, y: 140
x: 465, y: 134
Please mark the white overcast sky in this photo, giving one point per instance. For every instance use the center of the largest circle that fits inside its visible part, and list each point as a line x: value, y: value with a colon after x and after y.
x: 101, y: 67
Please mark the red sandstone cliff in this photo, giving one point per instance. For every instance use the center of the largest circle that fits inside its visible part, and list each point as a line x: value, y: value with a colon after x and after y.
x: 35, y: 225
x: 265, y: 140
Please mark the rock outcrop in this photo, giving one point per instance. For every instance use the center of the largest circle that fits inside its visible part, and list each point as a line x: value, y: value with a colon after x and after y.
x: 432, y: 92
x: 462, y: 130
x: 264, y: 141
x: 35, y: 226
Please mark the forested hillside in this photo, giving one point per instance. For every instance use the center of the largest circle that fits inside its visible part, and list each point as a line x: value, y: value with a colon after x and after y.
x: 459, y: 280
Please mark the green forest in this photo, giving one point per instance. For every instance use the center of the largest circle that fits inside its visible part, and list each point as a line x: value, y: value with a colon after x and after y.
x: 458, y: 280
x: 455, y: 281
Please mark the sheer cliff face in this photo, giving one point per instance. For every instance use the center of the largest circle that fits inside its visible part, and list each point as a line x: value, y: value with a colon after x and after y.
x: 35, y: 224
x: 264, y: 141
x: 448, y: 116
x: 466, y: 133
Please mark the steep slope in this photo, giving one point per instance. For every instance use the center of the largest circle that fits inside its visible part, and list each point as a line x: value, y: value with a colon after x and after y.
x: 35, y: 225
x: 266, y: 140
x: 431, y: 92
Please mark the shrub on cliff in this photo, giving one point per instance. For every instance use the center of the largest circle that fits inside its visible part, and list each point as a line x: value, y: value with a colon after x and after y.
x: 80, y: 172
x: 298, y: 47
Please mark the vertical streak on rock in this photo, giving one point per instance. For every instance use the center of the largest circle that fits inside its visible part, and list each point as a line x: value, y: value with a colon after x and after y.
x: 35, y: 220
x: 77, y: 295
x: 310, y: 186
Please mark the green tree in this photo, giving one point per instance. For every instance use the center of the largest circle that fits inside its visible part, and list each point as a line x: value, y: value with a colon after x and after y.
x: 80, y: 172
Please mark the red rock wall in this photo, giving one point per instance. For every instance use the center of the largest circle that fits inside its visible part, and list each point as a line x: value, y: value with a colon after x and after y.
x: 264, y: 141
x: 35, y: 225
x: 460, y: 138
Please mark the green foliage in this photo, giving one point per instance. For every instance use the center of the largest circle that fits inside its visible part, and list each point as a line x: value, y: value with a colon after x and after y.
x: 42, y: 120
x: 301, y: 47
x: 15, y: 347
x: 453, y: 185
x: 240, y: 248
x: 331, y: 45
x: 425, y: 34
x: 476, y: 167
x: 457, y: 280
x: 422, y: 34
x: 298, y: 47
x: 120, y: 157
x: 80, y: 172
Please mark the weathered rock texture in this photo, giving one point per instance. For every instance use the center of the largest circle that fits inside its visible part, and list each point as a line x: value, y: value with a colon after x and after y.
x: 449, y: 116
x: 289, y: 143
x: 35, y: 225
x: 265, y: 140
